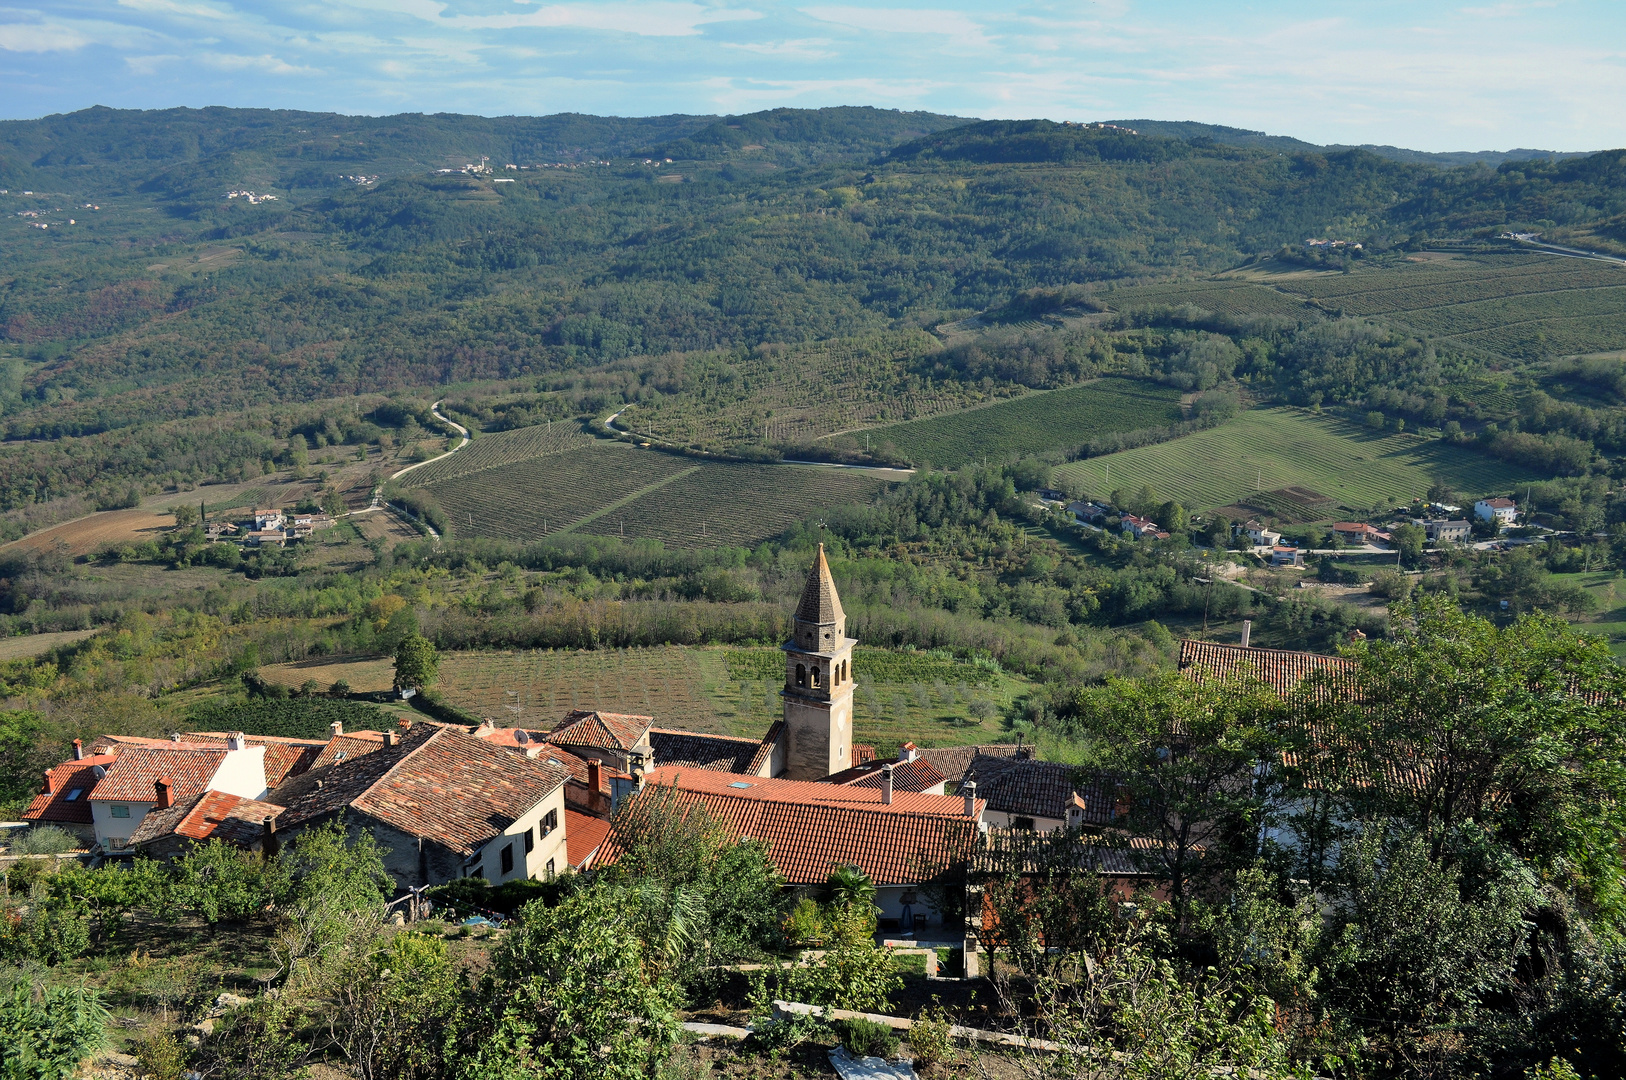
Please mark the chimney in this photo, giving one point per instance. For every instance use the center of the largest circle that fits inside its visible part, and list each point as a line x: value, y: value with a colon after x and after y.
x: 163, y: 790
x: 595, y: 777
x: 886, y: 784
x: 1247, y: 632
x: 908, y: 752
x: 234, y: 740
x: 970, y: 789
x: 389, y: 738
x: 47, y: 789
x: 175, y: 736
x: 268, y: 837
x: 337, y: 728
x: 78, y: 750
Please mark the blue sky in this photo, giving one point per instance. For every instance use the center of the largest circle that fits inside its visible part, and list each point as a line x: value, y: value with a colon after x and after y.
x: 1484, y: 75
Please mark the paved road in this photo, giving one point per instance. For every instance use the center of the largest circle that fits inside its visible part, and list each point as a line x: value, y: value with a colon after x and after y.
x: 434, y: 410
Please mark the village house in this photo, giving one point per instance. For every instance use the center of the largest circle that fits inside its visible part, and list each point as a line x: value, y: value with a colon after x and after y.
x: 269, y: 519
x: 1089, y: 513
x: 1138, y: 527
x: 1259, y: 534
x: 1039, y: 796
x: 1448, y: 532
x: 1503, y: 511
x: 901, y: 840
x: 910, y: 772
x: 1286, y: 555
x: 1354, y: 532
x: 141, y: 779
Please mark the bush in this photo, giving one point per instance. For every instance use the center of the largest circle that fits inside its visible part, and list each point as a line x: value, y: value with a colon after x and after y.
x: 161, y: 1056
x: 43, y: 840
x: 867, y: 1038
x: 930, y: 1039
x: 46, y: 1039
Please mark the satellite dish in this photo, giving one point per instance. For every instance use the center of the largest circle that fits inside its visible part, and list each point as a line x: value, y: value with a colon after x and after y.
x: 98, y: 771
x: 522, y: 736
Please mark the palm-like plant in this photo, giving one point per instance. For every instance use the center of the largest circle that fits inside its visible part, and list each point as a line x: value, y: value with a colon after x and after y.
x: 849, y: 887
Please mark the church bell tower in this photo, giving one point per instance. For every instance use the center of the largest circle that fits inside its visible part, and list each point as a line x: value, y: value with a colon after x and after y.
x: 818, y: 682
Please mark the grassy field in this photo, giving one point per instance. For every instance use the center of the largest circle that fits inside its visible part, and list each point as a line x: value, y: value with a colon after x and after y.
x: 1609, y: 588
x: 729, y: 691
x: 1274, y: 449
x: 1226, y: 297
x: 1046, y: 421
x: 800, y: 393
x: 609, y: 488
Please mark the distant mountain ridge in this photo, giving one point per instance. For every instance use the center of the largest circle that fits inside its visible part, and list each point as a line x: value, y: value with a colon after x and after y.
x: 1191, y: 131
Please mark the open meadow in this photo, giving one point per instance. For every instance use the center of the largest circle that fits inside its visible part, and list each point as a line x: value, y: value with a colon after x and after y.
x: 1043, y: 421
x: 1281, y: 448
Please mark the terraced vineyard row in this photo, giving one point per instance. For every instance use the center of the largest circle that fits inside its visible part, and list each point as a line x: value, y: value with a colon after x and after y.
x: 532, y: 498
x: 727, y: 503
x: 883, y: 665
x: 1272, y: 449
x: 1047, y: 421
x: 501, y: 448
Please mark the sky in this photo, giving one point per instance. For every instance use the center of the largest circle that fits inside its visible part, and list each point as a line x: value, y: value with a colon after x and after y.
x: 1429, y: 76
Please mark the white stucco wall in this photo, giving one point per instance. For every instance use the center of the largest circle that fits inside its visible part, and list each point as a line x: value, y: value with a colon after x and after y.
x: 549, y: 847
x: 109, y: 827
x: 242, y: 772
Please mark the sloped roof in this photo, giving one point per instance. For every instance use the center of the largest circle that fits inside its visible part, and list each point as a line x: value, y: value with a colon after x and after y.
x: 347, y: 747
x: 1280, y: 669
x: 764, y: 755
x: 807, y: 831
x: 1040, y: 788
x: 440, y: 783
x: 721, y: 753
x: 584, y: 838
x: 284, y: 757
x: 819, y: 603
x: 210, y: 815
x: 66, y: 778
x: 600, y: 730
x: 130, y: 778
x: 577, y: 767
x: 916, y: 775
x: 953, y: 761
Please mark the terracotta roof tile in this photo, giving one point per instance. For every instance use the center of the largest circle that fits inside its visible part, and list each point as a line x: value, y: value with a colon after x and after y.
x: 721, y: 753
x: 764, y: 756
x: 953, y: 761
x: 1281, y: 669
x: 208, y: 815
x: 69, y: 798
x: 130, y: 778
x: 1041, y: 789
x: 584, y: 837
x: 284, y: 757
x: 819, y: 603
x: 916, y: 775
x: 600, y: 730
x: 348, y: 747
x: 805, y: 838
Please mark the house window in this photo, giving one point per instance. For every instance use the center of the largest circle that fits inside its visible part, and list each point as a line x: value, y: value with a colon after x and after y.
x: 119, y: 810
x: 508, y: 858
x: 530, y: 840
x: 550, y: 869
x: 550, y: 821
x: 801, y: 675
x: 72, y: 795
x: 1025, y: 823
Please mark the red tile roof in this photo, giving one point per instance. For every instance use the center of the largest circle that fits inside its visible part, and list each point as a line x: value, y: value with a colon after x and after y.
x: 764, y: 755
x: 807, y: 832
x: 130, y: 778
x: 916, y: 775
x: 69, y: 797
x: 953, y: 761
x: 1040, y: 789
x: 584, y: 837
x: 1281, y: 669
x: 348, y: 747
x: 600, y: 730
x: 284, y: 757
x: 577, y: 767
x: 440, y: 783
x: 721, y: 753
x: 211, y: 815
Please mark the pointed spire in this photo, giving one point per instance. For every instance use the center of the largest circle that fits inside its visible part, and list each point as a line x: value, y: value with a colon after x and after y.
x: 820, y: 604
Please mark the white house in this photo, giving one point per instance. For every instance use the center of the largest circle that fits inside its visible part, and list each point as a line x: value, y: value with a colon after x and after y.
x: 1500, y: 510
x: 1261, y: 536
x: 156, y: 777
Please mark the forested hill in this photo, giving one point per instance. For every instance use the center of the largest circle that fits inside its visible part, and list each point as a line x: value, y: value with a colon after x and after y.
x: 141, y: 282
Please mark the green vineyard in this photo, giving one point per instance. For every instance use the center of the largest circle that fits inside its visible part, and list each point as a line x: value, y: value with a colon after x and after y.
x: 1273, y: 449
x: 726, y: 503
x: 501, y: 448
x: 1058, y: 419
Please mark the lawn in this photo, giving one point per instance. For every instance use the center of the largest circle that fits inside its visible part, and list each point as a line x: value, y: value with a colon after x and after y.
x: 1054, y: 420
x: 1609, y: 588
x: 1272, y: 449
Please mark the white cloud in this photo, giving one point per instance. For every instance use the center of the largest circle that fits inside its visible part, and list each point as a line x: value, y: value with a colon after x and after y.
x: 270, y: 64
x: 174, y: 7
x: 645, y: 18
x: 40, y: 37
x: 951, y: 24
x: 148, y: 65
x: 800, y: 49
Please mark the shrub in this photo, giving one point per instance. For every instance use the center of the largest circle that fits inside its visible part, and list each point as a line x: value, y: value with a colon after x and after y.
x: 43, y: 840
x: 46, y: 1039
x: 930, y: 1039
x: 867, y: 1038
x: 161, y: 1056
